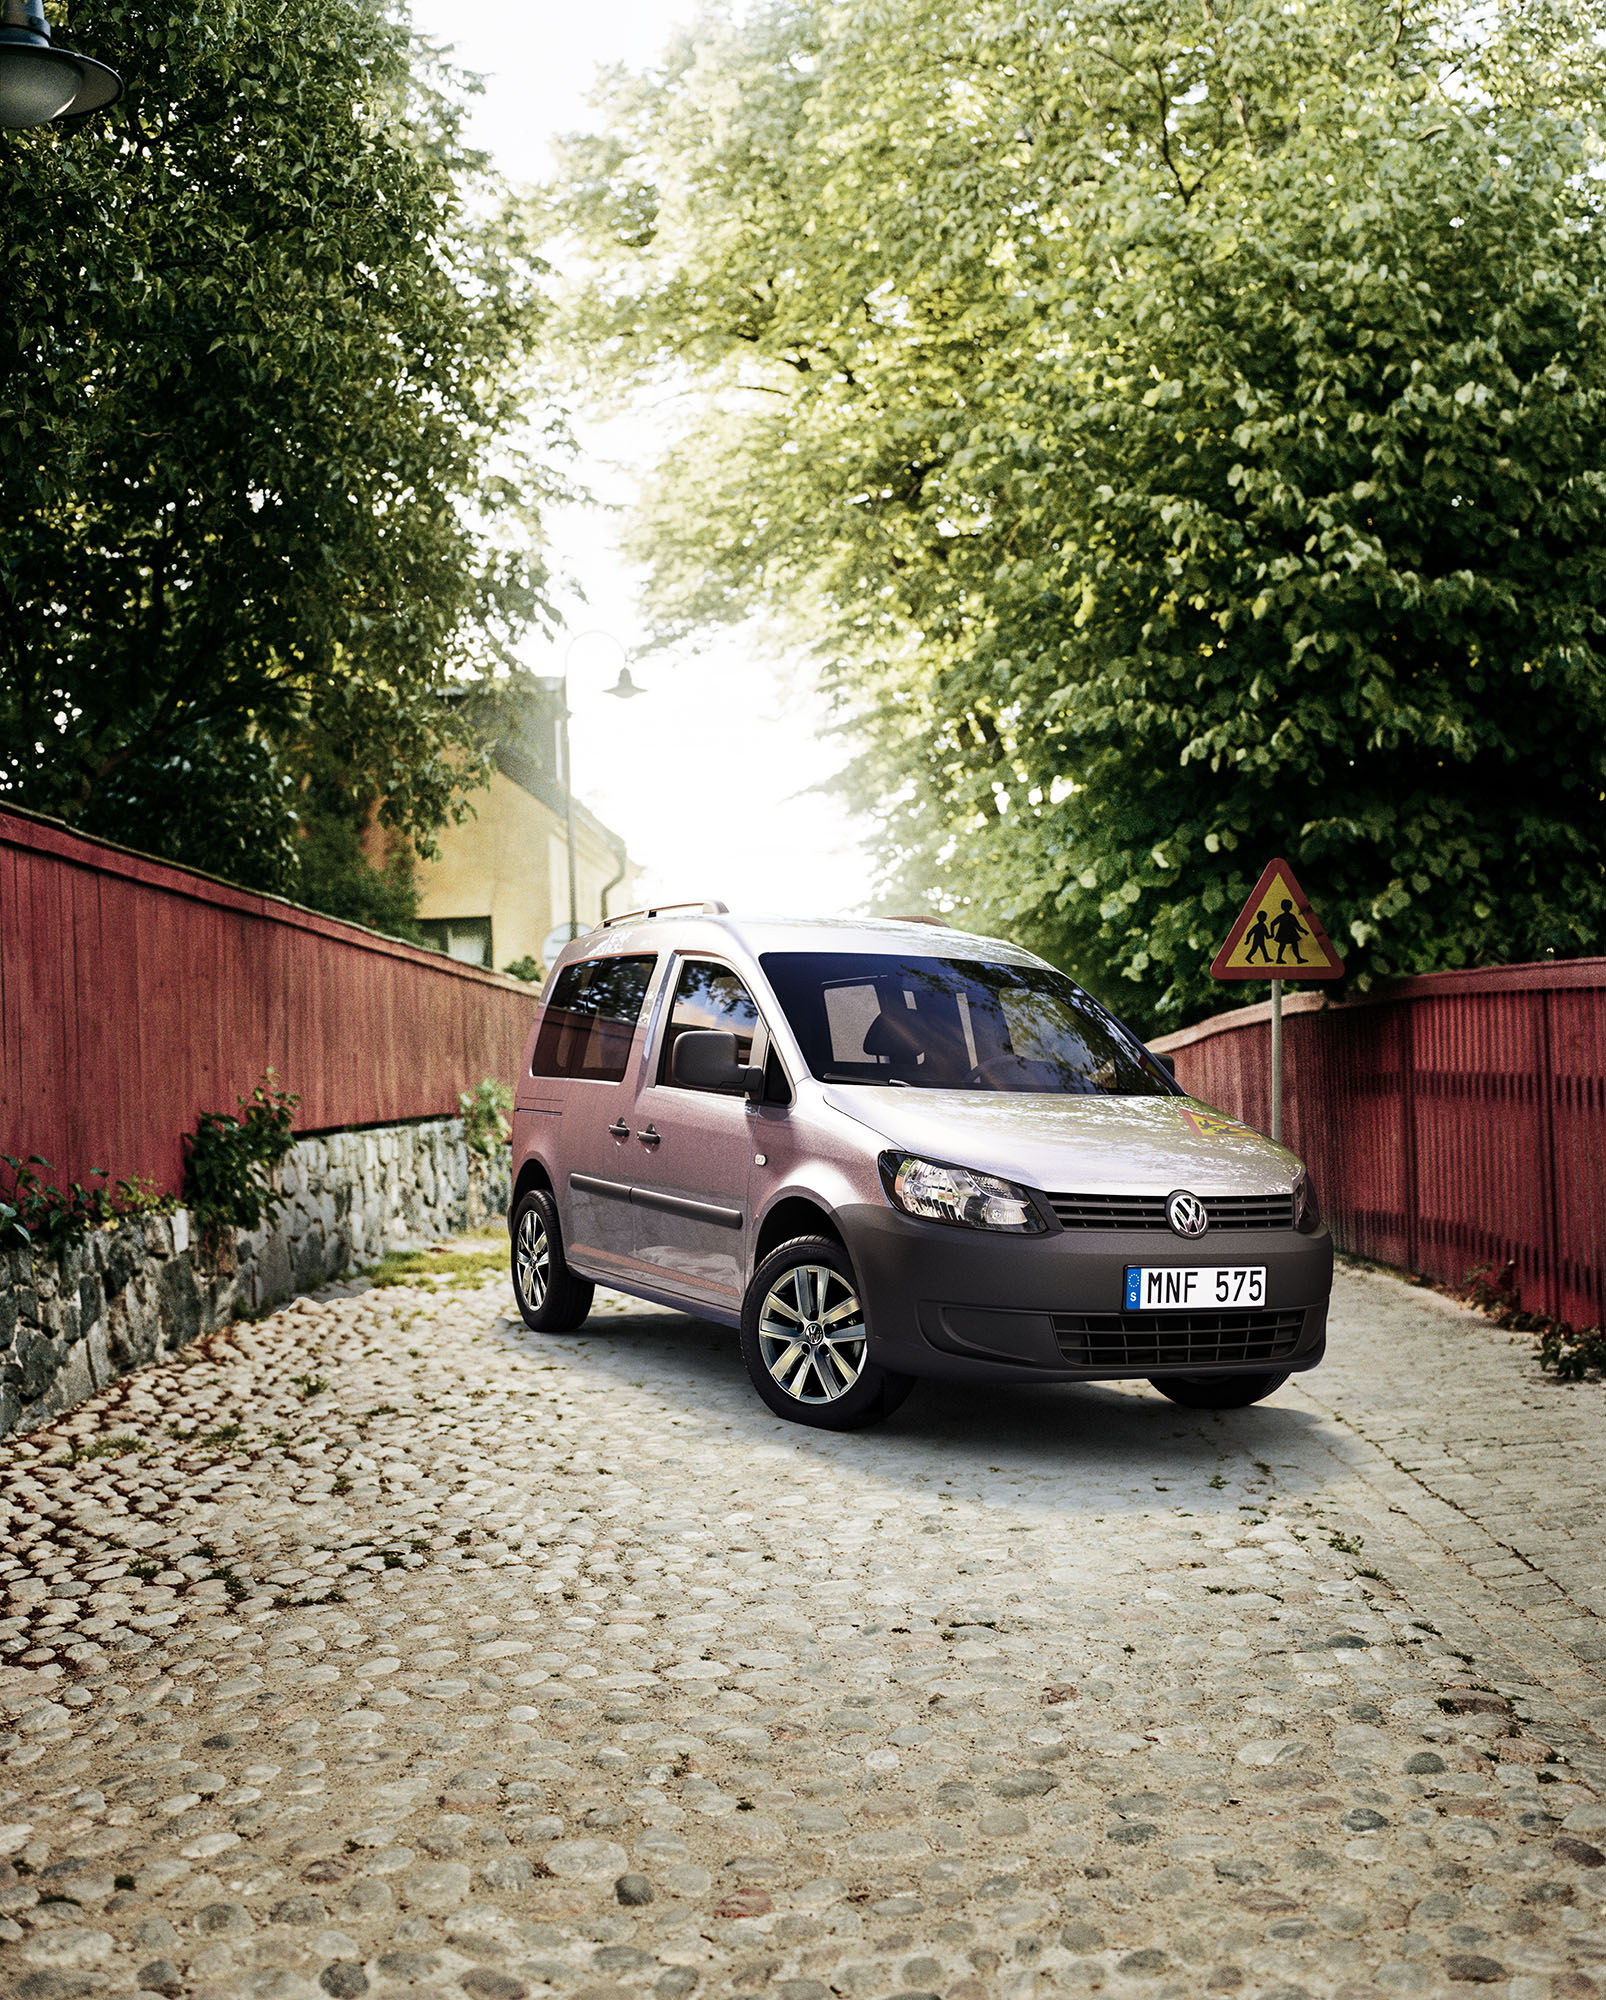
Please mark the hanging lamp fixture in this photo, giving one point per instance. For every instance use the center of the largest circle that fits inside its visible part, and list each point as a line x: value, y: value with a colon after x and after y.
x: 41, y: 83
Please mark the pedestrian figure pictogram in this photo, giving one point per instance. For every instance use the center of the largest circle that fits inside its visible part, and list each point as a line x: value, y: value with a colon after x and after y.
x: 1258, y: 933
x: 1288, y: 930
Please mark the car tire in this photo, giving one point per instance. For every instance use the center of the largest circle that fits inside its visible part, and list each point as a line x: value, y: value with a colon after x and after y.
x: 551, y: 1299
x: 1217, y: 1392
x: 825, y: 1378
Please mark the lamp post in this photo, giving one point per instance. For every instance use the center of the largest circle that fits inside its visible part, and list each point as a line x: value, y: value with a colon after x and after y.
x: 41, y: 83
x: 625, y: 689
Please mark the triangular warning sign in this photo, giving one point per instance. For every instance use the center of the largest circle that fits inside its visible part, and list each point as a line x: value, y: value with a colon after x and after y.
x: 1278, y: 935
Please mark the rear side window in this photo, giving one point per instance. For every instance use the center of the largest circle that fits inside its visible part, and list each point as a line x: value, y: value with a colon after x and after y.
x: 709, y: 996
x: 590, y: 1021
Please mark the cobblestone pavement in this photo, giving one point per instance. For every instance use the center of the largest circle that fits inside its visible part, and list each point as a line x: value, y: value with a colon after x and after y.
x: 382, y: 1647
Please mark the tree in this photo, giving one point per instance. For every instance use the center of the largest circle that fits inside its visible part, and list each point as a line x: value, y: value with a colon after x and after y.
x: 266, y: 471
x: 1178, y: 429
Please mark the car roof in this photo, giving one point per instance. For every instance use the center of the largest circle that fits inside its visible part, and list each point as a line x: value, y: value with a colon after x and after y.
x: 877, y: 936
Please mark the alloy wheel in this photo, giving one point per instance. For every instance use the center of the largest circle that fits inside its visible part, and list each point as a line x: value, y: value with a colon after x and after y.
x: 534, y: 1260
x: 811, y: 1333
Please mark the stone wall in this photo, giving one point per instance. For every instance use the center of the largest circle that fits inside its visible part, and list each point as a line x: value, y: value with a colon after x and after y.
x: 132, y: 1293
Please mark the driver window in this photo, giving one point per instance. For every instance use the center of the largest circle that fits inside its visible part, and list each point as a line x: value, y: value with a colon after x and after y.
x: 708, y: 996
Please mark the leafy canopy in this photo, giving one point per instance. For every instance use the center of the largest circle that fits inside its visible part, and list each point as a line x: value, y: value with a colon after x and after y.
x: 1176, y: 425
x: 266, y: 478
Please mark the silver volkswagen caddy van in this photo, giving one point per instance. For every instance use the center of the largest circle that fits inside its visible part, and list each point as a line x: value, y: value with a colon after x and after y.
x: 886, y: 1150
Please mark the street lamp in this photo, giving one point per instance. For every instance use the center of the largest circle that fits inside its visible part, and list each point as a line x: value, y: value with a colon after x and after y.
x: 39, y: 82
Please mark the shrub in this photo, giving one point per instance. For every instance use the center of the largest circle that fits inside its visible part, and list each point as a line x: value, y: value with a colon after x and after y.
x: 484, y: 1108
x: 530, y: 970
x: 228, y: 1178
x: 1569, y: 1352
x: 35, y: 1213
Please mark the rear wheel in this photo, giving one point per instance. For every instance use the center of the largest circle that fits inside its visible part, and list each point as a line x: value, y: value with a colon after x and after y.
x: 550, y: 1297
x: 806, y: 1344
x: 1217, y: 1392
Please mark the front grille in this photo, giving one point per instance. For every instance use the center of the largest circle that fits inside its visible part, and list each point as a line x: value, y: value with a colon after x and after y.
x: 1176, y: 1339
x: 1147, y: 1211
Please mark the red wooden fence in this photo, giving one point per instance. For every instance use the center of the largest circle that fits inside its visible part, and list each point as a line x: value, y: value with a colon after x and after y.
x: 1457, y: 1119
x: 135, y: 995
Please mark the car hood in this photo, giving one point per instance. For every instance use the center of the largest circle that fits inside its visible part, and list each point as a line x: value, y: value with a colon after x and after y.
x: 1091, y: 1145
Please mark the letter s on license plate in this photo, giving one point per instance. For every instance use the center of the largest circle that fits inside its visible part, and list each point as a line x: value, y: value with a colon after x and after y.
x: 1194, y: 1287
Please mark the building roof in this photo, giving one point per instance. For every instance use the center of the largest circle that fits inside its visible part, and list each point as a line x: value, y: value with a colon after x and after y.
x: 523, y: 770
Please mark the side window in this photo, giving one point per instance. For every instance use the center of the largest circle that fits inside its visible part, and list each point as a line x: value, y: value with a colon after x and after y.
x: 708, y: 996
x: 777, y: 1090
x: 591, y: 1018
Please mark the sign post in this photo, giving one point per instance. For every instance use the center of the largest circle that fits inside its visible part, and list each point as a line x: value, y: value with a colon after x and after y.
x: 1277, y: 916
x: 1277, y: 1060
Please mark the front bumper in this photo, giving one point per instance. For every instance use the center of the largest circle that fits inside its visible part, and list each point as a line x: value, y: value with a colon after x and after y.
x: 966, y: 1305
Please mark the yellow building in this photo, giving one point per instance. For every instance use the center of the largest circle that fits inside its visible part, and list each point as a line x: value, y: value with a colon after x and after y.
x: 500, y: 885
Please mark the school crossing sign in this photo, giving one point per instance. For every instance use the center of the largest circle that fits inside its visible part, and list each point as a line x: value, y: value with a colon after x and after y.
x: 1278, y: 935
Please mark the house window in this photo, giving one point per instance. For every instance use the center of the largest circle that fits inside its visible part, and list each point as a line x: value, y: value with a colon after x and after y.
x: 467, y: 939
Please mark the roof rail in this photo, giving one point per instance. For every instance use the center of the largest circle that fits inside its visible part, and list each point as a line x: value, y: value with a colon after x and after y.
x: 708, y: 906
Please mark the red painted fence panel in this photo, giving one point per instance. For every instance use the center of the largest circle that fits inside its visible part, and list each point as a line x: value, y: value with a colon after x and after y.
x: 134, y: 995
x: 1454, y: 1120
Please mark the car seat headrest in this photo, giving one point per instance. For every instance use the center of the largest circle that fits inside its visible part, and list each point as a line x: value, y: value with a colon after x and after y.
x: 897, y: 1035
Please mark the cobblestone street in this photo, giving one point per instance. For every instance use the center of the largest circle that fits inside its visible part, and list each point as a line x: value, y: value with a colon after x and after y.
x: 380, y: 1646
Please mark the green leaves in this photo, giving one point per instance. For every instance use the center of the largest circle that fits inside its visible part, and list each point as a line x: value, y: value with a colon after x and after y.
x: 268, y: 444
x: 231, y: 1159
x: 1176, y: 434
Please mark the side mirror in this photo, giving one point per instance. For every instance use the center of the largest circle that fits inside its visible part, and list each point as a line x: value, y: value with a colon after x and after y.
x: 1167, y: 1063
x: 705, y: 1059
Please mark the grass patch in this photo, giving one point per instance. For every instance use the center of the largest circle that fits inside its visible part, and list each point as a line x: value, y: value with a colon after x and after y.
x: 438, y: 1267
x: 112, y: 1447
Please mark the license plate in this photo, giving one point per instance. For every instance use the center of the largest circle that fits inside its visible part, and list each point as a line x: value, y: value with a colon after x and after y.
x: 1192, y: 1287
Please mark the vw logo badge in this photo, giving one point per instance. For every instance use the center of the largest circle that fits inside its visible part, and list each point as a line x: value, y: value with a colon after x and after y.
x: 1187, y: 1214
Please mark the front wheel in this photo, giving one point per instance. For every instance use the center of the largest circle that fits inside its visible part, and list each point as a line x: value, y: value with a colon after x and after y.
x: 806, y: 1344
x: 551, y: 1298
x: 1217, y: 1392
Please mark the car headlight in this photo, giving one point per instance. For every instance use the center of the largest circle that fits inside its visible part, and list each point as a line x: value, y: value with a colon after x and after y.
x: 937, y: 1193
x: 1307, y: 1210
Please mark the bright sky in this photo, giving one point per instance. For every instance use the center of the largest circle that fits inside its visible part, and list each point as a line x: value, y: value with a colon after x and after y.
x: 709, y: 776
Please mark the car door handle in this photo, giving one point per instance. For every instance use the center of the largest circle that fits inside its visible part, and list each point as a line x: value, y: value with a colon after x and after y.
x: 651, y: 1136
x: 619, y: 1129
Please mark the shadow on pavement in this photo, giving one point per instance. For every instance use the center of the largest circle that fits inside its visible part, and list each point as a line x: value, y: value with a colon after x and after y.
x: 1100, y: 1437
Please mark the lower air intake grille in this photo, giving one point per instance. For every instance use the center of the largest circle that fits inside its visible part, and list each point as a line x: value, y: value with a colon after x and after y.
x: 1176, y: 1339
x: 1147, y: 1211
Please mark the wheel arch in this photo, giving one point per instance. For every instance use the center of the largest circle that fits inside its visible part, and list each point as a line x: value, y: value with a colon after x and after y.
x: 531, y: 1175
x: 793, y: 1215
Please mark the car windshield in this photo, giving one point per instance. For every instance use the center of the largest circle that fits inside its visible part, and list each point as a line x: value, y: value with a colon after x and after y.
x: 956, y: 1024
